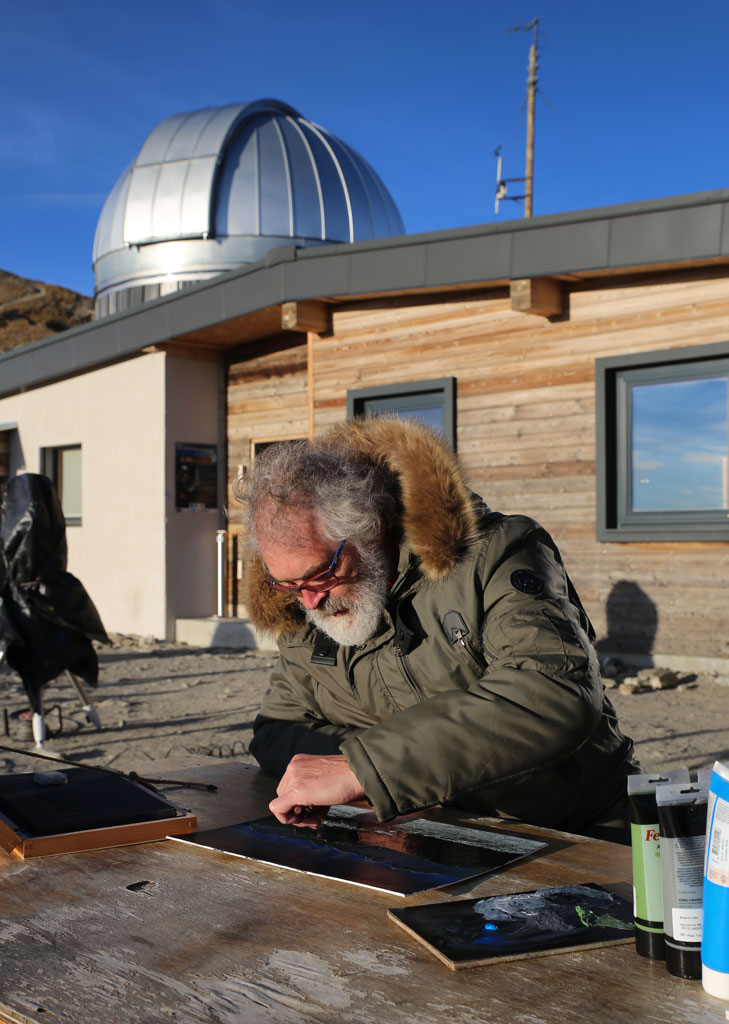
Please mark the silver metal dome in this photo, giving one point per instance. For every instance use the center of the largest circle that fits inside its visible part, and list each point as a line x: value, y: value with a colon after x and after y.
x: 217, y: 188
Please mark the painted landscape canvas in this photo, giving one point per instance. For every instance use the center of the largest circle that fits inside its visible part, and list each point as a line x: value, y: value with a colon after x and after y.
x: 475, y: 932
x: 351, y: 845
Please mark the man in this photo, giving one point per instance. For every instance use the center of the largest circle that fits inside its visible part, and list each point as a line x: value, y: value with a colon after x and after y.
x: 431, y: 651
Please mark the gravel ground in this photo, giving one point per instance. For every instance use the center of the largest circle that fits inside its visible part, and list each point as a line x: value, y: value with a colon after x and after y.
x: 161, y: 700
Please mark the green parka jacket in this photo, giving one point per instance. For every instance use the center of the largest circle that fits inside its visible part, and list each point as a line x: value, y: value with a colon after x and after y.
x: 481, y: 687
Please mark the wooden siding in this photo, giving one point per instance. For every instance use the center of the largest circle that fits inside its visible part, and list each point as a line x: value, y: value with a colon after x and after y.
x: 268, y: 397
x: 525, y: 422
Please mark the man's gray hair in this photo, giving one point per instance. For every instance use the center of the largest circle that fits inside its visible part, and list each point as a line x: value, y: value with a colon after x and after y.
x: 347, y: 497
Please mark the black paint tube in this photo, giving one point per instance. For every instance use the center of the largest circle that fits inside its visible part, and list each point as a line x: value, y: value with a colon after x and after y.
x: 682, y: 818
x: 645, y: 834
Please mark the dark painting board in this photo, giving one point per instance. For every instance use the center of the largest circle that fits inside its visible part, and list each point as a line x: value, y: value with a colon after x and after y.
x: 87, y: 800
x: 402, y: 857
x: 476, y: 932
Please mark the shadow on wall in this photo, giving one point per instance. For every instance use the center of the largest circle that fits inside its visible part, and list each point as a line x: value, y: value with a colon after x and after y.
x: 632, y: 621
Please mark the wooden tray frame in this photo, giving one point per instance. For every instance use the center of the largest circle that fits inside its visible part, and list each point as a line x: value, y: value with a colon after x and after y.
x: 20, y: 844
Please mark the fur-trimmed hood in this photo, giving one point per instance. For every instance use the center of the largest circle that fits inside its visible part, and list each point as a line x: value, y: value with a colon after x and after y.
x: 438, y: 518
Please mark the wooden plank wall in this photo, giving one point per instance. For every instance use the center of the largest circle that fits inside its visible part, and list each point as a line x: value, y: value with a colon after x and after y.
x: 526, y: 422
x: 267, y: 398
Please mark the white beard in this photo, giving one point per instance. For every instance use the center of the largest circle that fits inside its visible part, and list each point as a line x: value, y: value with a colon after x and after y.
x: 364, y: 604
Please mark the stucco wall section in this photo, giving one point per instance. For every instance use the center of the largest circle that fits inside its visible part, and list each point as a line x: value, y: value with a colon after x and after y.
x: 117, y: 416
x: 193, y: 385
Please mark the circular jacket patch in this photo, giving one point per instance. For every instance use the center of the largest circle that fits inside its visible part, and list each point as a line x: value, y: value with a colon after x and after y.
x: 527, y: 582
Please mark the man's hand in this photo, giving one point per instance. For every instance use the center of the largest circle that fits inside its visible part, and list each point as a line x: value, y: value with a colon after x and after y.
x: 310, y: 785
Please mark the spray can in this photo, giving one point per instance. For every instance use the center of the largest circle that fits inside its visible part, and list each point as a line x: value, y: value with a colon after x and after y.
x: 715, y: 937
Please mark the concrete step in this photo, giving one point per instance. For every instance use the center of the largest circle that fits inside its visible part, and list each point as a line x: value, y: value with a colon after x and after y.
x: 238, y: 634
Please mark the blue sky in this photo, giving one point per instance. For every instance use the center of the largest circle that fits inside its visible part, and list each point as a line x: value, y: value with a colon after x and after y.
x: 632, y: 105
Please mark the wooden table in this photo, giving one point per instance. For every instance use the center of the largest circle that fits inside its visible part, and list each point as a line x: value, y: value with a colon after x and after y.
x: 213, y: 939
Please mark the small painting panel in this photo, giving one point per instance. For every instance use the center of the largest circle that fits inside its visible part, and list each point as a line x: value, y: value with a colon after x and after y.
x: 475, y: 932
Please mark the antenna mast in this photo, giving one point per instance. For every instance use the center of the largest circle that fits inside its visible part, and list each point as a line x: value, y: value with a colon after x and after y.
x: 531, y: 95
x: 528, y: 179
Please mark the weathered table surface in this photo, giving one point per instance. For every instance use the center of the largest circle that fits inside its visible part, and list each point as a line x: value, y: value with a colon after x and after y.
x: 221, y: 940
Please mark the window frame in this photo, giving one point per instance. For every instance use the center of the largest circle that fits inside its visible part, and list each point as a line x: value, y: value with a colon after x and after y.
x: 50, y: 460
x: 446, y: 386
x: 614, y: 376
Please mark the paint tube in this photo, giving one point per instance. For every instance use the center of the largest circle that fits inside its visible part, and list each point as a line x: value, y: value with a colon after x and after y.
x: 682, y: 817
x: 715, y: 938
x: 645, y: 837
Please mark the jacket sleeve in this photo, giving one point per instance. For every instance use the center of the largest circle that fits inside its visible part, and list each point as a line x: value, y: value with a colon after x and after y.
x: 290, y: 722
x: 538, y: 701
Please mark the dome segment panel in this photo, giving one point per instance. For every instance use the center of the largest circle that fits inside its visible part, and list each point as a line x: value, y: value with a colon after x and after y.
x: 158, y: 141
x: 335, y: 206
x: 386, y: 219
x: 237, y: 201
x: 307, y: 199
x: 362, y: 219
x: 110, y: 226
x: 274, y: 182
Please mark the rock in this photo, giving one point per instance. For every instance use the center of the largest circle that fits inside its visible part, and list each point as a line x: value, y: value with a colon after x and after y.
x: 663, y: 679
x: 630, y: 685
x: 609, y: 683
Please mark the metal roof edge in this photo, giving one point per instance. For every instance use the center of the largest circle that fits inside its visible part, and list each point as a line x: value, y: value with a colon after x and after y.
x: 611, y: 237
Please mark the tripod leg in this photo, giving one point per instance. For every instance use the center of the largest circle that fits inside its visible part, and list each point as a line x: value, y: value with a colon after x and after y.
x: 39, y: 725
x: 91, y: 712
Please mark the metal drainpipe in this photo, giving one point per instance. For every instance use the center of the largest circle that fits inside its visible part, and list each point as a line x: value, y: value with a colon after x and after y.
x: 220, y: 541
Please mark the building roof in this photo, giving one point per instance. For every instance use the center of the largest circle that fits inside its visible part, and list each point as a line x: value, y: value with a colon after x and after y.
x: 241, y: 305
x: 216, y: 188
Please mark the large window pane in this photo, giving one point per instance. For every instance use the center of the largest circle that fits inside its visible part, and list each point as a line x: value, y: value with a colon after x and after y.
x: 62, y: 466
x: 69, y: 482
x: 431, y: 402
x: 426, y: 409
x: 680, y: 445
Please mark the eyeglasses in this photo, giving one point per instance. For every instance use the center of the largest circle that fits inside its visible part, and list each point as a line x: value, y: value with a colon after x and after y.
x: 320, y: 581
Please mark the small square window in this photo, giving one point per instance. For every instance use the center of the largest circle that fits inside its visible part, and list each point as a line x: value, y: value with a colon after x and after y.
x: 663, y: 446
x: 432, y: 402
x: 63, y: 467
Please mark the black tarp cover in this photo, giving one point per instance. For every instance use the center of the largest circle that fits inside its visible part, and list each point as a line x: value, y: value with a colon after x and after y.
x: 47, y: 620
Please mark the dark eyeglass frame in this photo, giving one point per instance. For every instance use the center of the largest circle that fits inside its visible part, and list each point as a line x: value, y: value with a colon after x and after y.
x: 320, y: 581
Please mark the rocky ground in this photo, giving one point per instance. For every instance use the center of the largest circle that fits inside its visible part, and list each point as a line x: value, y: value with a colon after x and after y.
x: 160, y: 699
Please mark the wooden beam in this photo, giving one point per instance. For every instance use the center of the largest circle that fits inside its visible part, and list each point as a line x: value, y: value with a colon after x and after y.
x: 310, y: 315
x: 542, y: 296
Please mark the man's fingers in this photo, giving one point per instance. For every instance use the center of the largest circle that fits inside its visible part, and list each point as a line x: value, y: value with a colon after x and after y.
x: 289, y: 812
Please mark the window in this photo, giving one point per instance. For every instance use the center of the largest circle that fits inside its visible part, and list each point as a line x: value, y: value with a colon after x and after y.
x: 430, y: 401
x: 63, y: 467
x: 663, y: 445
x: 260, y: 444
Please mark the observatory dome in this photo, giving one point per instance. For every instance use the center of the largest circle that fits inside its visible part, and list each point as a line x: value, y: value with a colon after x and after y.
x: 213, y: 189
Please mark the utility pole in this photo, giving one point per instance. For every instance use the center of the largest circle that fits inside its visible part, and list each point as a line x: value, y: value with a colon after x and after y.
x: 528, y: 179
x: 531, y: 96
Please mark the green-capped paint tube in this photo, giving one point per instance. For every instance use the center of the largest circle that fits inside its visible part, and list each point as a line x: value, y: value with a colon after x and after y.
x: 682, y: 817
x: 645, y: 834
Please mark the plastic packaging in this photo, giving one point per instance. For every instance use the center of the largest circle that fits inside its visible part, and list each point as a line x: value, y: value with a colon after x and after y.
x: 715, y: 938
x: 645, y: 837
x: 682, y: 817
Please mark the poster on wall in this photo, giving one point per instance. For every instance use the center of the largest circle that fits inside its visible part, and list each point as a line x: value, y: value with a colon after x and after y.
x: 196, y: 476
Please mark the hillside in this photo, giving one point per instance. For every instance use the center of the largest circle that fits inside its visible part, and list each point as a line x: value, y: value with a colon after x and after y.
x: 30, y: 310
